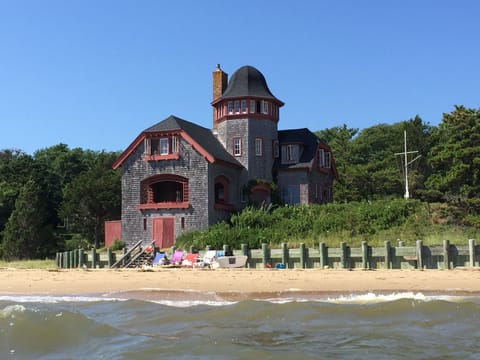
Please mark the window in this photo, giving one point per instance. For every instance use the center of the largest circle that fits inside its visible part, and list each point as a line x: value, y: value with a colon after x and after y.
x: 258, y: 147
x: 230, y: 107
x: 164, y: 146
x: 320, y: 158
x: 237, y: 146
x: 175, y: 144
x: 265, y: 105
x: 252, y: 107
x: 324, y: 159
x: 327, y: 160
x: 290, y: 153
x: 243, y: 106
x: 164, y: 191
x: 236, y: 106
x: 154, y: 146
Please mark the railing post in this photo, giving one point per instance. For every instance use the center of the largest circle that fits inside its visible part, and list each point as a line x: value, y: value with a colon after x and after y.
x: 302, y: 256
x: 419, y: 251
x: 244, y: 248
x: 67, y: 258
x: 446, y: 254
x: 285, y: 254
x: 471, y: 251
x: 388, y: 255
x: 343, y: 255
x: 323, y: 255
x: 94, y: 258
x: 81, y: 258
x: 365, y: 260
x: 109, y: 257
x: 265, y: 257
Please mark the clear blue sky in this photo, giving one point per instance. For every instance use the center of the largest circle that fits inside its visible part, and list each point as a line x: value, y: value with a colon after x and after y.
x: 95, y: 73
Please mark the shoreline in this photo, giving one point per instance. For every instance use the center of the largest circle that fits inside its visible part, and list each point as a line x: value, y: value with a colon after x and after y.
x: 235, y: 284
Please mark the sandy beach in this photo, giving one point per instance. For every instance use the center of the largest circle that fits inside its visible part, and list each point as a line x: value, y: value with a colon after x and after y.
x: 238, y: 283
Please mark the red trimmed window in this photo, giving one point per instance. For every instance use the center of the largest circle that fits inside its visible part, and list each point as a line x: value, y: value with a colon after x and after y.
x: 166, y: 147
x: 164, y: 192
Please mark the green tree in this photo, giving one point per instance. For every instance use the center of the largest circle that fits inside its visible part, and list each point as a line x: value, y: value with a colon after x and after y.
x: 28, y: 234
x: 455, y: 157
x: 340, y: 141
x: 93, y: 197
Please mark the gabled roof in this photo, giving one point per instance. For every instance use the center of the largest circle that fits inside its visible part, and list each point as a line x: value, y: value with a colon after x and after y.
x: 310, y: 144
x: 306, y: 139
x: 248, y: 81
x: 202, y: 140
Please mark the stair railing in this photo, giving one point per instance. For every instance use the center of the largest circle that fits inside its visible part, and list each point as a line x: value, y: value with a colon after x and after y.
x: 127, y: 255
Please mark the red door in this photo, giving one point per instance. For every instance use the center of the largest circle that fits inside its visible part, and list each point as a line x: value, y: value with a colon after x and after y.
x: 163, y: 232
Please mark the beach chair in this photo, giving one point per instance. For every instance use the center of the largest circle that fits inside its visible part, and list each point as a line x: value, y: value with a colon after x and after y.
x: 190, y: 260
x: 177, y: 257
x: 210, y: 258
x: 160, y: 259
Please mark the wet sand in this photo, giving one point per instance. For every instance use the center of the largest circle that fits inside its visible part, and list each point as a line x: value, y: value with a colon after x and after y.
x: 234, y: 283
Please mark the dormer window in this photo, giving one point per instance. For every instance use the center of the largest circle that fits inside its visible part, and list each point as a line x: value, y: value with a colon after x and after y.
x: 162, y: 148
x: 290, y: 153
x: 324, y: 159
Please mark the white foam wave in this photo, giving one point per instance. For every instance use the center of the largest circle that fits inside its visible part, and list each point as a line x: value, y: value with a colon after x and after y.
x: 50, y: 299
x: 369, y: 298
x: 190, y: 303
x: 11, y: 310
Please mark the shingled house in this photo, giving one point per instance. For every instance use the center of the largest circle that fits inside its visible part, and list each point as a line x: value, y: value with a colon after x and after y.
x: 178, y: 176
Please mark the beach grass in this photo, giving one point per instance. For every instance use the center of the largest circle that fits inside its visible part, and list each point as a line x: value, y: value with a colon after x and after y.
x: 29, y: 264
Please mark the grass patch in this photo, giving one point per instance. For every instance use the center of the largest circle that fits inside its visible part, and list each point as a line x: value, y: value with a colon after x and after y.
x: 29, y: 264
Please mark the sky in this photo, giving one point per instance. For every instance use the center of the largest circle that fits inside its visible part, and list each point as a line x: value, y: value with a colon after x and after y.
x: 95, y: 73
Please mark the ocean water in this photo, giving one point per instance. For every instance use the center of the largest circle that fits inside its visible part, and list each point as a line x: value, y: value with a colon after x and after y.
x: 157, y: 326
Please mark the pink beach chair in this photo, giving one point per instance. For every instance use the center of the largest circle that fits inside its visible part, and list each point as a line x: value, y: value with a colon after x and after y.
x: 177, y: 257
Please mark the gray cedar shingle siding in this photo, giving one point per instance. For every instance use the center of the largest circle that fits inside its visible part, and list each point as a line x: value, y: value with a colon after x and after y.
x: 204, y: 156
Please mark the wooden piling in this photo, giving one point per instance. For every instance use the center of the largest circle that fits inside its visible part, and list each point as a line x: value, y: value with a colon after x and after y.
x: 323, y: 255
x: 419, y: 253
x: 388, y: 255
x: 471, y: 252
x: 285, y: 255
x: 446, y: 254
x: 365, y: 259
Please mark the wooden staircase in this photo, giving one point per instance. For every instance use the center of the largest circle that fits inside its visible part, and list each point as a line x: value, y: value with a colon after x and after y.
x: 136, y: 257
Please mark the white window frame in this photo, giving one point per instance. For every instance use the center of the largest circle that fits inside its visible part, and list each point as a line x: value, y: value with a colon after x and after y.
x: 175, y: 144
x: 243, y: 106
x: 252, y: 106
x: 292, y: 153
x: 265, y: 106
x: 236, y: 107
x: 230, y: 107
x: 164, y: 146
x: 237, y: 146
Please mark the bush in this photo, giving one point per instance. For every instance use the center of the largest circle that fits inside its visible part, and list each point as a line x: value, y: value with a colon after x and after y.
x: 118, y: 245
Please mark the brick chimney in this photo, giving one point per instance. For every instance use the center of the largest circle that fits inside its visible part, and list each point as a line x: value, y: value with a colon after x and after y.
x: 220, y: 81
